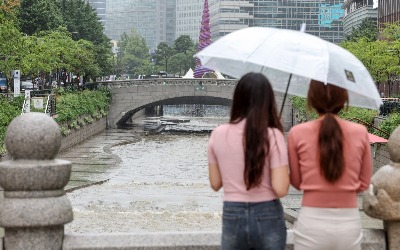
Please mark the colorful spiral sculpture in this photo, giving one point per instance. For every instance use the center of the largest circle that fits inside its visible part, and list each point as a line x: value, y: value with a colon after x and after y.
x: 204, y: 41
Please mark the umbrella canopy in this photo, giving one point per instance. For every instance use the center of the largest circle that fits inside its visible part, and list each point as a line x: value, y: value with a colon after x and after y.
x: 376, y: 139
x: 278, y: 53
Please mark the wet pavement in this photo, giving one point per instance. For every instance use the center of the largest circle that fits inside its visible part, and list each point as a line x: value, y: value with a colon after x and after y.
x: 108, y: 195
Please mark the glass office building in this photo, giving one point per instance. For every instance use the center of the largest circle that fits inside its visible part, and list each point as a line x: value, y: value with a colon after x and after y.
x: 100, y: 7
x: 323, y: 17
x: 148, y: 17
x: 188, y: 18
x: 355, y: 11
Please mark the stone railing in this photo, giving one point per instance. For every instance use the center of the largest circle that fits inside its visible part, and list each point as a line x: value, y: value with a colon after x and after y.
x: 166, y: 81
x: 35, y: 208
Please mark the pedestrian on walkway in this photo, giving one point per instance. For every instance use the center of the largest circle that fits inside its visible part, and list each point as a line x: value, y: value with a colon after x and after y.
x: 330, y: 160
x: 248, y: 158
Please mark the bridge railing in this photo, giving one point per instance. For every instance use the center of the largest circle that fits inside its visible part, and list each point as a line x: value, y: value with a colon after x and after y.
x: 167, y: 81
x: 35, y: 207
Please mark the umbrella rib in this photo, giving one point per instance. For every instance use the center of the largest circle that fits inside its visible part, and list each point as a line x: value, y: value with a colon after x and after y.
x: 284, y: 97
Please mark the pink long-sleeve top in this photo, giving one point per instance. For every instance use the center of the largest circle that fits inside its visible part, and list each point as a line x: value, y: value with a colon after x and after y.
x: 225, y: 148
x: 305, y: 171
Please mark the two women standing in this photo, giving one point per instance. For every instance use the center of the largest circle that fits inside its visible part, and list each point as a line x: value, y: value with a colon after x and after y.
x: 329, y: 159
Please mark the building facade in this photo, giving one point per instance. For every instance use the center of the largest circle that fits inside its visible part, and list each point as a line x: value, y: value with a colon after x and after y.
x: 388, y: 11
x: 355, y: 11
x: 100, y: 7
x: 188, y: 18
x: 152, y: 19
x: 322, y: 17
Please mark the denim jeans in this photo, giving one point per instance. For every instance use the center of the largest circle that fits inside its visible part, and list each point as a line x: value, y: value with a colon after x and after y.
x: 253, y: 225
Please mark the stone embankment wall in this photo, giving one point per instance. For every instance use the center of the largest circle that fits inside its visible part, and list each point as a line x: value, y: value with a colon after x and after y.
x: 76, y: 136
x: 79, y: 135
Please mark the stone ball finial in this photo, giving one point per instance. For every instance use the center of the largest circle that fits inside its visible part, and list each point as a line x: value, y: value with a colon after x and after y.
x: 33, y: 136
x: 394, y: 145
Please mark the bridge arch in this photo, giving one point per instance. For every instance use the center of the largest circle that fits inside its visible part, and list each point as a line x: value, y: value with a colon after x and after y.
x: 130, y: 96
x: 206, y: 100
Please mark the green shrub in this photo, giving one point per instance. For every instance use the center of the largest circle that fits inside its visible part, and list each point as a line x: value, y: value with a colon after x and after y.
x: 352, y: 113
x: 389, y: 124
x: 10, y: 107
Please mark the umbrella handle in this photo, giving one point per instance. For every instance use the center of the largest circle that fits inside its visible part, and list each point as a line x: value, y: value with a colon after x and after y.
x: 284, y: 97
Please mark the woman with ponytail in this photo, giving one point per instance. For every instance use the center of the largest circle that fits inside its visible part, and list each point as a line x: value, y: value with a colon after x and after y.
x: 248, y: 158
x: 330, y: 160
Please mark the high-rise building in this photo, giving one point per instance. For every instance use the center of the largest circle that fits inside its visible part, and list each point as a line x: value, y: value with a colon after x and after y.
x: 322, y: 17
x: 188, y: 18
x: 100, y: 7
x: 170, y: 21
x: 388, y: 11
x: 148, y: 17
x: 355, y: 11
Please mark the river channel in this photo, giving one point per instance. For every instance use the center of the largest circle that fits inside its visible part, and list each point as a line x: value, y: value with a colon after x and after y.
x: 149, y: 182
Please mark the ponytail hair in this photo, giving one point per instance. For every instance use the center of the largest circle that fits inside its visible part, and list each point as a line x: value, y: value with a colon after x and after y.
x: 328, y: 100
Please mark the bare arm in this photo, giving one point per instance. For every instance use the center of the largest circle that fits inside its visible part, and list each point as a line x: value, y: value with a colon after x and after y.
x: 295, y: 176
x: 280, y: 180
x: 214, y: 176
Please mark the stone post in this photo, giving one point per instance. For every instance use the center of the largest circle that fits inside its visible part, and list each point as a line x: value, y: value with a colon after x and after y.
x: 35, y: 207
x: 382, y: 201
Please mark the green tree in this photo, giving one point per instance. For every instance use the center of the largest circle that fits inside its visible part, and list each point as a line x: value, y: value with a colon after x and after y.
x: 367, y: 29
x: 39, y: 15
x: 177, y: 63
x: 134, y: 52
x: 9, y: 10
x: 11, y: 47
x: 83, y: 23
x: 183, y: 43
x: 163, y: 54
x: 391, y: 31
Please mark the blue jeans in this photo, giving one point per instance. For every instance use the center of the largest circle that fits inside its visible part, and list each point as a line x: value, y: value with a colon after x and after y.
x: 253, y: 225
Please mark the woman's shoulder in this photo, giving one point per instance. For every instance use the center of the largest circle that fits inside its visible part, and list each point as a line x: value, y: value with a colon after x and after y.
x: 352, y: 127
x: 304, y: 127
x: 222, y: 128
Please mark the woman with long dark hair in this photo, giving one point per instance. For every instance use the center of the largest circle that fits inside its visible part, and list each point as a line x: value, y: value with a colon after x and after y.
x: 330, y: 159
x: 248, y: 158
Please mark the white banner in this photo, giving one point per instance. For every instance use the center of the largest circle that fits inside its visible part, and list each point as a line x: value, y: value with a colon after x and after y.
x: 37, y: 102
x: 27, y: 101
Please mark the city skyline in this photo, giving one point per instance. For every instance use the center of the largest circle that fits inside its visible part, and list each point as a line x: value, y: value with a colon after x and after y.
x: 165, y: 20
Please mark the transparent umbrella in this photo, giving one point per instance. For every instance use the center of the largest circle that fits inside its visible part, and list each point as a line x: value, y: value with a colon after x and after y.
x: 290, y: 59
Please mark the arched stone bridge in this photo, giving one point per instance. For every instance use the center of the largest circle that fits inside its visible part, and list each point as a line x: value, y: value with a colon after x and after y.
x: 131, y: 96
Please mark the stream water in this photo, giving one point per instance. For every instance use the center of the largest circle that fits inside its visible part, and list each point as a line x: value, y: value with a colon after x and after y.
x: 160, y: 183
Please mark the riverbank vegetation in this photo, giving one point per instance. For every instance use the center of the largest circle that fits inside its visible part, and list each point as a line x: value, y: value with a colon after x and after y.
x: 74, y: 109
x: 360, y: 115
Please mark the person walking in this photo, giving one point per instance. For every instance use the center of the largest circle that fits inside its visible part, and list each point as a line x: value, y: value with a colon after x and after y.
x: 248, y: 158
x: 330, y: 160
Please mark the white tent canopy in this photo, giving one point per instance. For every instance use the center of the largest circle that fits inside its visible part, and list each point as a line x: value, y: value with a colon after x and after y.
x: 219, y: 75
x: 189, y: 74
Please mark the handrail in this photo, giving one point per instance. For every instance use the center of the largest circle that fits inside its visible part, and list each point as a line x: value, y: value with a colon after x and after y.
x: 369, y: 125
x: 47, y: 111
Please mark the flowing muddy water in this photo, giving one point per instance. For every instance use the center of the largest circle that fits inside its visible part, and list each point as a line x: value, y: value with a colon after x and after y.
x: 160, y: 183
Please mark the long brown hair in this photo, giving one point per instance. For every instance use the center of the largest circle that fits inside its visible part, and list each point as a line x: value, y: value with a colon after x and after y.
x: 254, y: 101
x: 327, y: 100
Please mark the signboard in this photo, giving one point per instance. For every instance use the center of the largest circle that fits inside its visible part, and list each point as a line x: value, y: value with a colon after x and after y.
x: 17, y: 86
x: 37, y: 102
x: 329, y: 13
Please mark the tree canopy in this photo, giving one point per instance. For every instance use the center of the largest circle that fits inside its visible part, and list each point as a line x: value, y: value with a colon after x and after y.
x: 39, y: 15
x: 133, y: 53
x: 367, y: 29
